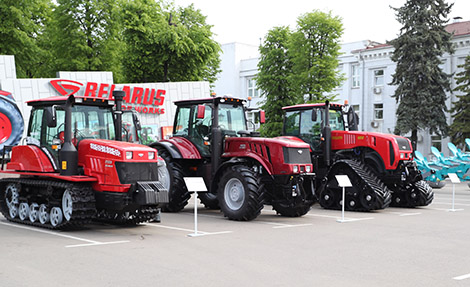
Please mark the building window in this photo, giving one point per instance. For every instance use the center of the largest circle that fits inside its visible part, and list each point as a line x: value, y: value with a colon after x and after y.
x: 356, y: 79
x: 436, y: 141
x: 253, y: 91
x: 378, y: 78
x: 356, y: 110
x: 378, y: 111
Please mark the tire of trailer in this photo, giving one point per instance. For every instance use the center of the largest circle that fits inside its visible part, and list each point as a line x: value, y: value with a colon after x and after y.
x: 239, y: 193
x: 11, y: 123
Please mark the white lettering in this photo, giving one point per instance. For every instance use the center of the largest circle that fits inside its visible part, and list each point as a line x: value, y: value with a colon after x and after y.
x: 105, y: 149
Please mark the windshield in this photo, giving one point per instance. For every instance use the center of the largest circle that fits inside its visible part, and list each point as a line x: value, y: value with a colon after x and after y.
x: 232, y: 118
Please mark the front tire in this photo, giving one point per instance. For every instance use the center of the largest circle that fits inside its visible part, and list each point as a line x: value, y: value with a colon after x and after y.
x: 178, y: 193
x: 239, y: 194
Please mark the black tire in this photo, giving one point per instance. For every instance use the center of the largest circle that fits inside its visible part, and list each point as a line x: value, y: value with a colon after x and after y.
x: 239, y: 193
x: 11, y: 123
x: 425, y: 193
x: 295, y: 206
x: 178, y: 193
x: 209, y: 200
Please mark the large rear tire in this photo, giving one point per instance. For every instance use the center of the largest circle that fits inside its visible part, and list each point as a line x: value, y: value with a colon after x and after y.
x: 209, y: 200
x: 239, y: 193
x: 11, y: 123
x: 178, y: 193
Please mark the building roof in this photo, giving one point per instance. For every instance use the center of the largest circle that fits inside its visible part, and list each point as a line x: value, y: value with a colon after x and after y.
x: 459, y: 28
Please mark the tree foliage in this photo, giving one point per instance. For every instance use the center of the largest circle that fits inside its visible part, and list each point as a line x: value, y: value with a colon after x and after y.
x: 460, y: 127
x: 275, y: 68
x: 314, y: 49
x: 84, y: 36
x: 421, y: 83
x: 21, y: 28
x: 167, y: 44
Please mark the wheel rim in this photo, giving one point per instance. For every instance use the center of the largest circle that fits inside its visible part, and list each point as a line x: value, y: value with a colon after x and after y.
x: 33, y: 212
x: 11, y: 198
x: 67, y: 204
x: 23, y: 211
x: 56, y: 216
x: 43, y: 214
x: 234, y: 194
x: 5, y: 130
x: 164, y: 176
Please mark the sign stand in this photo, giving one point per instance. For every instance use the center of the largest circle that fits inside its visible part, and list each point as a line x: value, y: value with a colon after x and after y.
x: 195, y: 184
x: 454, y: 179
x: 343, y: 181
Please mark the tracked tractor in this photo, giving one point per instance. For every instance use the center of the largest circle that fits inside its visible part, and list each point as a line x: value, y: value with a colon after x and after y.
x: 74, y: 168
x: 241, y: 170
x: 380, y: 166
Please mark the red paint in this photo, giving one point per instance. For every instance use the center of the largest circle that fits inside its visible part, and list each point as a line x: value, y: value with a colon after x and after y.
x: 5, y: 128
x: 29, y: 158
x: 185, y: 147
x: 66, y: 87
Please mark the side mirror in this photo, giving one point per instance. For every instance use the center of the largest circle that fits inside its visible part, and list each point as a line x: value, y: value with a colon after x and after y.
x: 138, y: 126
x: 201, y: 109
x: 314, y: 115
x: 50, y: 116
x: 262, y: 117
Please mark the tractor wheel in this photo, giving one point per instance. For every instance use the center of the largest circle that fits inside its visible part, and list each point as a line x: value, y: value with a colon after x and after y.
x: 173, y: 181
x: 239, y: 193
x: 293, y: 206
x: 11, y: 123
x: 209, y: 200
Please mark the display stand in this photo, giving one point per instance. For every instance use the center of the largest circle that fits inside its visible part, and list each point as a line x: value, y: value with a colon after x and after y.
x: 195, y: 185
x: 343, y: 181
x: 454, y: 179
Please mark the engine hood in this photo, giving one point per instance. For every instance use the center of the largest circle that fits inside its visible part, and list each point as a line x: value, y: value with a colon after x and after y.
x: 114, y: 149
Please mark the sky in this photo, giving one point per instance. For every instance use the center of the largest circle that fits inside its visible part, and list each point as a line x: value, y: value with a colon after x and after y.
x: 246, y: 21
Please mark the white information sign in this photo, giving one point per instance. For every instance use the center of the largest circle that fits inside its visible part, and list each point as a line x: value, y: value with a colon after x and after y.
x: 195, y: 184
x: 343, y: 181
x: 454, y: 178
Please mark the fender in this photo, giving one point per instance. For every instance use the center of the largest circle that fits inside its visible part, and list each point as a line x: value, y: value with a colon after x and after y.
x: 168, y: 146
x: 181, y: 147
x: 30, y: 158
x: 371, y: 157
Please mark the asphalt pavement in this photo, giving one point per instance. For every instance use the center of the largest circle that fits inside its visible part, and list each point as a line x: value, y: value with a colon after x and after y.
x: 425, y: 246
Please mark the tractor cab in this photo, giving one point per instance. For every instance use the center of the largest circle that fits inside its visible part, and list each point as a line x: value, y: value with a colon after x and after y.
x: 198, y: 120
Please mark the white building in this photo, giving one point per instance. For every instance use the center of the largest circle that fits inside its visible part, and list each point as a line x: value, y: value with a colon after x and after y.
x: 368, y: 70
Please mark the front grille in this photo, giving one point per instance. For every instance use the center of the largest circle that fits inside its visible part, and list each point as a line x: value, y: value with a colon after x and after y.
x: 296, y: 155
x: 403, y: 144
x: 131, y: 172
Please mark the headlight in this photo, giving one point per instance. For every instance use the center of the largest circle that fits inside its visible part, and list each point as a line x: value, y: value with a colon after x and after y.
x: 308, y: 168
x: 128, y: 155
x: 151, y: 155
x: 296, y: 168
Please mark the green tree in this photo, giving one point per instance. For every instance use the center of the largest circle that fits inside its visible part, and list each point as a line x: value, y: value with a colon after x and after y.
x: 421, y: 83
x: 168, y: 44
x: 21, y: 29
x: 275, y: 69
x: 85, y: 36
x: 315, y: 49
x: 460, y: 127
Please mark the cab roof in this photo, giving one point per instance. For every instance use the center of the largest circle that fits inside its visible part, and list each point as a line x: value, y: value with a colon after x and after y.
x: 309, y: 106
x: 210, y: 100
x: 60, y: 100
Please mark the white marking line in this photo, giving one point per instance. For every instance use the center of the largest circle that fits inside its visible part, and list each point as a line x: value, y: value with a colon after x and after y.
x: 403, y: 213
x: 466, y: 276
x: 90, y: 242
x: 97, y: 243
x: 336, y: 217
x: 292, y: 225
x: 450, y: 203
x: 187, y: 230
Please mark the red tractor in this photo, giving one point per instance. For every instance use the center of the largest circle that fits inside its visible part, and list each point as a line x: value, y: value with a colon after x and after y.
x: 74, y: 168
x: 242, y: 171
x: 380, y: 166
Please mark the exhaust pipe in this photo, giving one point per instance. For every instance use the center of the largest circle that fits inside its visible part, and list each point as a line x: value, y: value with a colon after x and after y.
x: 68, y: 155
x: 118, y: 97
x: 327, y: 136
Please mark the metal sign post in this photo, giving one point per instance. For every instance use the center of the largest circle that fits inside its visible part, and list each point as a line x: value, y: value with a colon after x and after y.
x: 343, y: 181
x: 454, y: 179
x: 195, y: 184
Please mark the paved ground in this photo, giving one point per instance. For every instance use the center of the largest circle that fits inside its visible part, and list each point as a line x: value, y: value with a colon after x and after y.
x: 393, y: 247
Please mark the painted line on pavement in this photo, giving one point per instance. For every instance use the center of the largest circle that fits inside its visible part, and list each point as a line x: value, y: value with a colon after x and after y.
x: 187, y: 230
x: 336, y: 217
x: 462, y: 277
x: 90, y: 242
x: 403, y: 213
x: 450, y: 203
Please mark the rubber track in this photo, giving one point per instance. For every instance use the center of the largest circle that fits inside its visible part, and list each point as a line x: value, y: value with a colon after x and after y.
x: 82, y: 196
x: 369, y: 181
